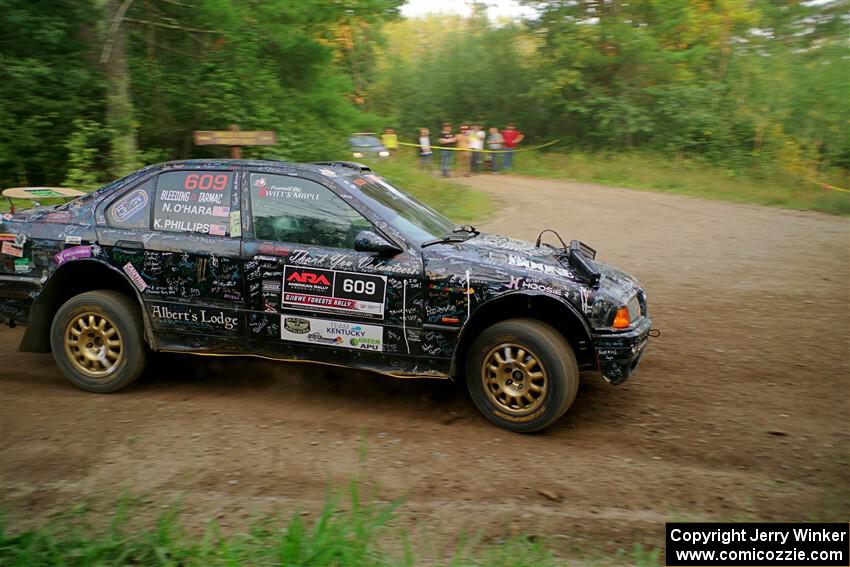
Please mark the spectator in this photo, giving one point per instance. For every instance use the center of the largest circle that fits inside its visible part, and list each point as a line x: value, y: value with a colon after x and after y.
x: 476, y: 144
x: 447, y: 140
x: 495, y: 142
x: 463, y: 154
x: 512, y: 137
x: 390, y: 140
x: 425, y: 154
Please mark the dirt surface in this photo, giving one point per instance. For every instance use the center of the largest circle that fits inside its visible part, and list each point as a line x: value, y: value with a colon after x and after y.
x: 738, y: 412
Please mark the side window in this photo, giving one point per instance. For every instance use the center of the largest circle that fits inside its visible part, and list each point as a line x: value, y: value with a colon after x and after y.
x: 292, y: 209
x: 193, y: 201
x: 132, y: 209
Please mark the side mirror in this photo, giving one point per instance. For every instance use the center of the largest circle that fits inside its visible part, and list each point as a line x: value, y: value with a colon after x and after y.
x: 368, y: 241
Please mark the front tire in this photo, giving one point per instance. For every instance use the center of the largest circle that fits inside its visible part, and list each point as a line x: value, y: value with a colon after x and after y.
x: 97, y: 339
x: 522, y: 374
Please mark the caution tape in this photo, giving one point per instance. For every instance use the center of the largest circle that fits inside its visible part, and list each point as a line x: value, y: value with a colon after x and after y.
x: 547, y: 144
x: 826, y: 186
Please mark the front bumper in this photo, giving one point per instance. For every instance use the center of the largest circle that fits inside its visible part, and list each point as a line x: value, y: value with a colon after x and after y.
x: 618, y: 354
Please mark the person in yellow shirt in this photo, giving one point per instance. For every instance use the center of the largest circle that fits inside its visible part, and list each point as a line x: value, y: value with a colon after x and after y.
x: 390, y: 140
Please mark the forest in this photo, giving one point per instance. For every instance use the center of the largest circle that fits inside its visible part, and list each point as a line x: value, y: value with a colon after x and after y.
x: 91, y: 89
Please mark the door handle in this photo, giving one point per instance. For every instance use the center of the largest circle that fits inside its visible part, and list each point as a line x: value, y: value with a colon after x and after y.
x: 130, y: 245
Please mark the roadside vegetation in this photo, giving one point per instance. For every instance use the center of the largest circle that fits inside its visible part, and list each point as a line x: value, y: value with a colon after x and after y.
x: 644, y: 170
x: 359, y: 533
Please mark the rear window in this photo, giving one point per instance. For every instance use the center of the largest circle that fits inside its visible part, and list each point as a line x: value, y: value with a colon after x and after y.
x: 193, y: 201
x: 365, y: 141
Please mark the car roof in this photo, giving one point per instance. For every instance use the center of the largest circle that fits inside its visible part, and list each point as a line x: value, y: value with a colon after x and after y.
x: 207, y: 163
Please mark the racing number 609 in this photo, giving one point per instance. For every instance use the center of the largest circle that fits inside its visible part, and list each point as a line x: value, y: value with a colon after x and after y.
x: 205, y: 182
x: 358, y: 286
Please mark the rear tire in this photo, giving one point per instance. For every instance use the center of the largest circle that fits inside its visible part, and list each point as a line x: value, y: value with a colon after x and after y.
x: 97, y: 339
x: 522, y: 374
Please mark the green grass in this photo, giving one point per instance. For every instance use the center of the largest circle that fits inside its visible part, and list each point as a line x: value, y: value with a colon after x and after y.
x: 641, y: 170
x: 360, y: 536
x: 25, y: 204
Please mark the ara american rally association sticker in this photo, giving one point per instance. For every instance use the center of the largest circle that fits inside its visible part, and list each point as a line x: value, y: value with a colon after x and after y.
x: 334, y: 291
x: 341, y: 334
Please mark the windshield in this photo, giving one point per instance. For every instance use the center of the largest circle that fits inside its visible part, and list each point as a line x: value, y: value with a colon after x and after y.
x: 412, y: 218
x: 364, y: 141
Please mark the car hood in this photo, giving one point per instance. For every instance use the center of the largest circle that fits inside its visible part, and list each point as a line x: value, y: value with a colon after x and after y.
x: 520, y: 265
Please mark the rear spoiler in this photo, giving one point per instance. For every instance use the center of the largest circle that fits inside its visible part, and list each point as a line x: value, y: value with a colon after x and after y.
x: 33, y: 193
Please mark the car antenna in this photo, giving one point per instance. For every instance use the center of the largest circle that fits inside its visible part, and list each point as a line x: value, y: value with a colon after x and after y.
x: 544, y: 231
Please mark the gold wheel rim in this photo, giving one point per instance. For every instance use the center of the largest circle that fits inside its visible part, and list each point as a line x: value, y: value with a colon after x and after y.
x: 514, y: 379
x: 93, y: 344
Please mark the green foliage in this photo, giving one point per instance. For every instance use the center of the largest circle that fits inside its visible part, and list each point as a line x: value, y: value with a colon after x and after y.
x: 47, y: 81
x: 82, y: 151
x: 757, y: 87
x: 356, y: 537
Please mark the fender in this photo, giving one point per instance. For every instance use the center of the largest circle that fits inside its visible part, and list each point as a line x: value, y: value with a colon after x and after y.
x: 53, y: 294
x: 585, y: 330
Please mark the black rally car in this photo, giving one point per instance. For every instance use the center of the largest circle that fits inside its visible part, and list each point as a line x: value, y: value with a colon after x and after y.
x: 322, y: 262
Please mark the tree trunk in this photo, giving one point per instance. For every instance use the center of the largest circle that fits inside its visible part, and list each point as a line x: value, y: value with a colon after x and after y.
x: 119, y: 107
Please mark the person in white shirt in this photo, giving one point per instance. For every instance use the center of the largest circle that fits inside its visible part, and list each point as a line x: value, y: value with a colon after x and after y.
x: 495, y: 142
x: 425, y: 153
x: 476, y: 144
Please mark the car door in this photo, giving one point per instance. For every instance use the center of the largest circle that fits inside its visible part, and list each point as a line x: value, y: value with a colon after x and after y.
x: 176, y: 235
x: 311, y: 294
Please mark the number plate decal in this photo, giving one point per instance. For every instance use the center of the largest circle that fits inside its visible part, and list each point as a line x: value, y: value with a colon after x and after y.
x: 334, y: 291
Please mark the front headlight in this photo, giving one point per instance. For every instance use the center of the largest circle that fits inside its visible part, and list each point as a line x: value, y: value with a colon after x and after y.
x: 357, y: 154
x: 634, y: 308
x: 626, y: 314
x: 384, y: 153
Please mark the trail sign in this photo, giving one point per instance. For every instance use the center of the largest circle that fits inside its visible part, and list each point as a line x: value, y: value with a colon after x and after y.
x: 234, y: 138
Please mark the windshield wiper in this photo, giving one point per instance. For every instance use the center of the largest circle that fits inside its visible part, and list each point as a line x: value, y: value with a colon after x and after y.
x: 447, y: 238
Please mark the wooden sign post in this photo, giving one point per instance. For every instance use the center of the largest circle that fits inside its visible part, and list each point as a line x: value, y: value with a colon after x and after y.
x: 234, y: 138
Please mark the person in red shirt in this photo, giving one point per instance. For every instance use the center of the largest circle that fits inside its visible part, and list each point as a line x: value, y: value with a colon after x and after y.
x: 512, y: 137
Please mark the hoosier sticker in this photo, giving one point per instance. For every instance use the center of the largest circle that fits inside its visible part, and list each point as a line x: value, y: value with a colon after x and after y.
x: 340, y: 334
x: 334, y: 291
